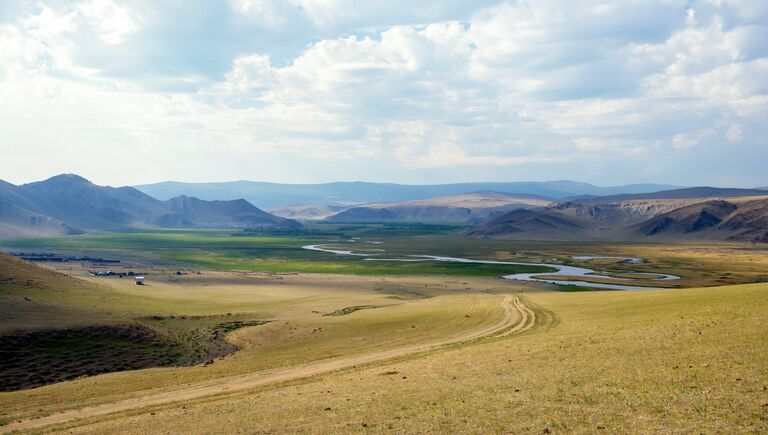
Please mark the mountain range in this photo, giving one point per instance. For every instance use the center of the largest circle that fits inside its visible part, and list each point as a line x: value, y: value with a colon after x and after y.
x: 272, y: 196
x: 69, y: 204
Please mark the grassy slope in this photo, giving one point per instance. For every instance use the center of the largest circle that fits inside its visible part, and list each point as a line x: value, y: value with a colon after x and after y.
x: 665, y: 361
x: 299, y: 331
x: 32, y: 298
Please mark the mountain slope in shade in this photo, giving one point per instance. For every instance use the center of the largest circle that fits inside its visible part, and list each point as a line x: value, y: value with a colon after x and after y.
x: 544, y: 223
x: 457, y: 209
x: 694, y: 218
x: 185, y: 211
x: 69, y: 204
x: 274, y: 195
x: 749, y: 222
x: 743, y: 220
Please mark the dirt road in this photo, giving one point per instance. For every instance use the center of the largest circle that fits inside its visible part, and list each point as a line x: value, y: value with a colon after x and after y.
x: 517, y: 318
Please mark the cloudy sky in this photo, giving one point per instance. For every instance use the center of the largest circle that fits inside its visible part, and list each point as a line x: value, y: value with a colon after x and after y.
x: 416, y: 91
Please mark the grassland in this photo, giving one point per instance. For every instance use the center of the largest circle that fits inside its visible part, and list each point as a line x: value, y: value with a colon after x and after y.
x: 235, y: 250
x: 689, y: 360
x: 409, y: 310
x: 677, y: 360
x: 697, y: 264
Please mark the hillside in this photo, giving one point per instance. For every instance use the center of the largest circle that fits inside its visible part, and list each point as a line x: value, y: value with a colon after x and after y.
x: 69, y: 204
x: 274, y: 195
x: 716, y: 219
x: 742, y: 218
x: 34, y: 297
x: 459, y: 209
x: 539, y: 223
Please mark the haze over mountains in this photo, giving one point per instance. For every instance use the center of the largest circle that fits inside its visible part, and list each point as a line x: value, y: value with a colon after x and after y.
x: 469, y: 208
x: 271, y: 196
x: 69, y: 204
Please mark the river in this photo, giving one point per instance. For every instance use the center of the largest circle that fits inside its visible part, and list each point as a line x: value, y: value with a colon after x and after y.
x: 561, y: 270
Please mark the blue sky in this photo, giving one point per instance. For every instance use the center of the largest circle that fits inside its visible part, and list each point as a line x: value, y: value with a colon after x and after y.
x: 418, y: 91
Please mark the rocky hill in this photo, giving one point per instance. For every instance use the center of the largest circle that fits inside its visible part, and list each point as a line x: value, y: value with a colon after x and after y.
x: 743, y: 218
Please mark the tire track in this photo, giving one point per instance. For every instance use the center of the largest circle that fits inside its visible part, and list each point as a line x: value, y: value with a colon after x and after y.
x: 517, y: 318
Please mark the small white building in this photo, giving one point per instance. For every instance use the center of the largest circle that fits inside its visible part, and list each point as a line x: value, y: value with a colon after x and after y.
x: 139, y: 280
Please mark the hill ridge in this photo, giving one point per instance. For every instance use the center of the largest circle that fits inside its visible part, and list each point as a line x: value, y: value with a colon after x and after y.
x: 70, y: 204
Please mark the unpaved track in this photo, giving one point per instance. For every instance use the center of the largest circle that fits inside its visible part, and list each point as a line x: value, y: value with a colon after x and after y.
x: 517, y: 318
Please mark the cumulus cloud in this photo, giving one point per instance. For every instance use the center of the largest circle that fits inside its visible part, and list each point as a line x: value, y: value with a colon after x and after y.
x: 734, y: 133
x: 544, y: 87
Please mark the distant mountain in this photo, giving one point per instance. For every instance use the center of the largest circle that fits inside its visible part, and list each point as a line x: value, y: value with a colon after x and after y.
x: 685, y: 193
x: 184, y: 211
x: 674, y: 215
x: 273, y: 195
x: 69, y: 204
x: 308, y: 212
x: 469, y: 208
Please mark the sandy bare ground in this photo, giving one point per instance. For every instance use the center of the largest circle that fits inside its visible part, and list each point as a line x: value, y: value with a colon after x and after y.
x: 517, y: 318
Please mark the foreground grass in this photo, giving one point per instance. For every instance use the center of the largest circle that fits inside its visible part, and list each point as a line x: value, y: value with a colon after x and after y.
x: 408, y: 311
x: 690, y: 360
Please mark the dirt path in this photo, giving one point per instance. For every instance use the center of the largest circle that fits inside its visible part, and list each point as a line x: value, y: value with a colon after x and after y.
x: 517, y: 318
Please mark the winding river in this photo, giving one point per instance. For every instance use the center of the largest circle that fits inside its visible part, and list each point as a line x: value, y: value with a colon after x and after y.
x: 560, y: 269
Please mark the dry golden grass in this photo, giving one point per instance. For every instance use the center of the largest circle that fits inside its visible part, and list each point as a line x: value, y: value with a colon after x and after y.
x: 412, y: 310
x: 689, y: 360
x: 670, y: 361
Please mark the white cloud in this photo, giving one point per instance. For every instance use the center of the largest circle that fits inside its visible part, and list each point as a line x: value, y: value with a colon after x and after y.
x: 431, y: 84
x: 734, y: 134
x: 692, y: 139
x: 114, y: 23
x: 682, y: 141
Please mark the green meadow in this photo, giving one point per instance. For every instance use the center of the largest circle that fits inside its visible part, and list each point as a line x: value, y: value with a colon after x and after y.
x: 699, y: 264
x: 238, y: 250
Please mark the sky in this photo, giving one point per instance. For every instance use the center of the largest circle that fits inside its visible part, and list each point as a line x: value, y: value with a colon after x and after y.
x: 417, y: 91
